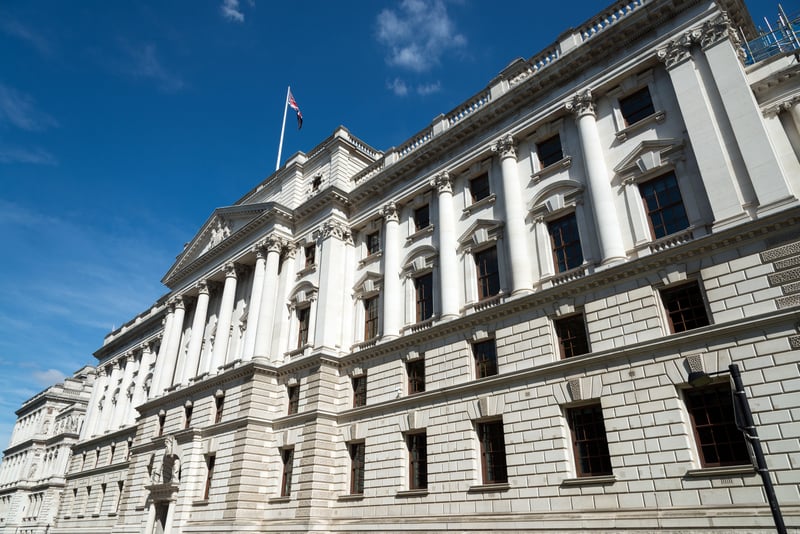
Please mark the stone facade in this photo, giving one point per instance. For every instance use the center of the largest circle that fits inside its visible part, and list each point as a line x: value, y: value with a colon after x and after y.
x: 489, y: 327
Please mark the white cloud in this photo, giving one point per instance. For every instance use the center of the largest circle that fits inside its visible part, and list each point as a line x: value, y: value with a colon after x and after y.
x: 231, y: 11
x: 144, y: 62
x: 429, y: 88
x: 18, y: 109
x: 35, y: 156
x: 48, y: 378
x: 398, y: 87
x: 417, y: 34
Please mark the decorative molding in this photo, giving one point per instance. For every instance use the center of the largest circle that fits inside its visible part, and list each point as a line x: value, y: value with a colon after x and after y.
x: 390, y: 213
x: 581, y: 104
x: 506, y: 147
x: 443, y: 182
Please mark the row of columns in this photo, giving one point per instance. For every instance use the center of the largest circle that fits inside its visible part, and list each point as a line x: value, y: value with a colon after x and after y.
x: 15, y: 468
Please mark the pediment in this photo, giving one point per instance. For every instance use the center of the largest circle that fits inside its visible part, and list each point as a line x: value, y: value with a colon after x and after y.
x: 368, y: 283
x: 480, y: 231
x: 648, y: 156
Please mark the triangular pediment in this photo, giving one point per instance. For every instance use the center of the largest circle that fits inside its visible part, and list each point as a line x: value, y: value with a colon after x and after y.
x: 648, y: 156
x: 479, y: 231
x: 368, y: 283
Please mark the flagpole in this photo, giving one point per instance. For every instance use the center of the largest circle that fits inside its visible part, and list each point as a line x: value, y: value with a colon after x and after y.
x: 283, y: 127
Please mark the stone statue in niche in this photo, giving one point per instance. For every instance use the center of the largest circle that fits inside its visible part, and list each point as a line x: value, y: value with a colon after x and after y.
x: 171, y: 464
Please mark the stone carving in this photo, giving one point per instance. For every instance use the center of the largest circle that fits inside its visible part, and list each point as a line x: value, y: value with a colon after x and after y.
x: 506, y: 147
x: 335, y: 229
x: 443, y: 182
x: 219, y: 232
x: 581, y: 104
x: 390, y: 212
x: 171, y: 463
x: 710, y: 33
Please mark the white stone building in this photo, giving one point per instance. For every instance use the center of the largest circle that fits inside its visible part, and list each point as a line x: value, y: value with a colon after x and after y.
x: 490, y: 326
x: 32, y: 475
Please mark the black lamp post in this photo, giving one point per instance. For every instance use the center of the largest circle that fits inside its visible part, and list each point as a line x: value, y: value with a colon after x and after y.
x: 744, y: 422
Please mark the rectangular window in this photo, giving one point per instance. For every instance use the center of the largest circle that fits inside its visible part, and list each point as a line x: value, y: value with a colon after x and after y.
x: 589, y: 442
x: 664, y: 205
x: 566, y: 242
x: 479, y: 187
x: 111, y: 453
x: 415, y: 370
x: 219, y: 405
x: 311, y: 254
x: 359, y: 391
x: 417, y: 460
x: 487, y: 272
x: 485, y: 353
x: 101, y: 498
x: 293, y: 393
x: 210, y: 461
x: 636, y: 106
x: 685, y: 307
x: 423, y: 291
x: 370, y: 318
x: 120, y: 487
x: 493, y: 452
x: 303, y: 315
x: 549, y: 151
x: 571, y: 333
x: 187, y: 416
x: 161, y: 420
x: 356, y: 468
x: 719, y: 441
x: 373, y: 243
x: 287, y: 455
x: 422, y: 217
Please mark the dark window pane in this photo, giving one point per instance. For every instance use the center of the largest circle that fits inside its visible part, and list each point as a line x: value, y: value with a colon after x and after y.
x: 356, y: 468
x: 417, y: 460
x: 566, y: 242
x: 549, y: 151
x: 416, y: 376
x: 423, y: 287
x: 493, y: 452
x: 685, y: 307
x: 664, y: 205
x: 485, y: 354
x: 636, y: 106
x: 589, y: 441
x: 373, y: 243
x: 571, y: 332
x: 719, y: 441
x: 294, y: 398
x: 479, y: 187
x: 359, y: 391
x: 422, y: 217
x: 488, y: 273
x: 287, y: 455
x: 302, y: 331
x: 370, y: 318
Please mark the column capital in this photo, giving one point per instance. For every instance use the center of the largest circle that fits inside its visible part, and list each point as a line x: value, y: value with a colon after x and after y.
x: 581, y: 104
x: 290, y: 249
x: 718, y: 29
x: 678, y: 50
x: 389, y: 212
x: 505, y: 146
x: 229, y: 269
x: 147, y: 346
x: 443, y: 182
x: 274, y: 243
x: 202, y: 287
x: 333, y: 228
x: 177, y: 302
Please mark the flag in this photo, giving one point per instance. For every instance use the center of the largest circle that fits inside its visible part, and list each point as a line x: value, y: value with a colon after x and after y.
x: 294, y: 106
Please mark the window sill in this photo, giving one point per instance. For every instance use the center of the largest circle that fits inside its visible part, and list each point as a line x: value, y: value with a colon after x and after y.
x: 279, y: 500
x: 350, y: 497
x: 728, y: 470
x: 200, y: 503
x: 308, y: 269
x: 412, y: 493
x: 488, y: 488
x: 428, y: 230
x: 375, y: 256
x: 298, y: 351
x: 658, y: 116
x: 589, y: 480
x: 487, y: 201
x: 560, y: 165
x: 371, y: 342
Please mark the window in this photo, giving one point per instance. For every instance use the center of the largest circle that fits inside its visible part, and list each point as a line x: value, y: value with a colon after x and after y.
x: 415, y: 370
x: 210, y: 460
x: 571, y: 333
x: 120, y: 486
x: 636, y: 106
x: 161, y: 420
x: 685, y: 307
x: 423, y: 291
x: 566, y: 242
x: 359, y: 391
x: 493, y: 452
x: 356, y: 468
x: 589, y: 441
x: 664, y: 205
x: 310, y: 254
x: 219, y: 403
x: 719, y: 441
x: 485, y: 353
x: 287, y: 455
x: 111, y: 454
x: 373, y: 243
x: 549, y: 151
x: 371, y: 317
x: 479, y: 187
x: 488, y: 273
x: 417, y: 460
x: 303, y: 315
x: 293, y: 393
x: 101, y: 498
x: 187, y: 412
x: 316, y: 182
x: 422, y: 217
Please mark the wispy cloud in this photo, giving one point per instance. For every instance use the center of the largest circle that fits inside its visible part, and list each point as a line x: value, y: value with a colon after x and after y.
x: 401, y: 88
x: 48, y: 377
x: 34, y: 156
x: 417, y: 34
x: 398, y: 87
x: 16, y: 29
x: 143, y: 62
x: 429, y: 88
x: 19, y: 109
x: 231, y: 11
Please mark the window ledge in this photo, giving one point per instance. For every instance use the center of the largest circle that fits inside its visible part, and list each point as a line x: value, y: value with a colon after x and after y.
x: 486, y: 488
x: 278, y: 500
x: 412, y: 493
x: 203, y: 502
x: 428, y: 230
x: 658, y: 116
x: 350, y: 497
x: 560, y: 165
x: 371, y: 342
x: 727, y: 470
x: 298, y: 351
x: 375, y: 256
x: 487, y: 201
x: 306, y: 270
x: 589, y: 480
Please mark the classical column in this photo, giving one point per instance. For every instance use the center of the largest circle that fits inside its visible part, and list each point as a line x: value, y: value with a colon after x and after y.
x: 173, y: 345
x: 517, y: 235
x: 254, y: 304
x: 92, y: 410
x: 108, y: 402
x: 158, y: 386
x: 331, y: 239
x: 263, y: 337
x: 766, y: 172
x: 139, y: 393
x: 190, y: 368
x: 225, y: 314
x: 725, y: 189
x: 603, y: 205
x: 392, y: 284
x: 446, y: 235
x: 123, y: 400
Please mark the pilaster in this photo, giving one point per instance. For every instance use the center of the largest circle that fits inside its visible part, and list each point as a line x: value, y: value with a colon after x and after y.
x: 448, y: 245
x: 392, y: 283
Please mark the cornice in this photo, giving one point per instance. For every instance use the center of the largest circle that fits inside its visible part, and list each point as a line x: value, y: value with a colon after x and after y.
x: 115, y: 436
x: 97, y: 471
x: 330, y: 196
x: 132, y: 337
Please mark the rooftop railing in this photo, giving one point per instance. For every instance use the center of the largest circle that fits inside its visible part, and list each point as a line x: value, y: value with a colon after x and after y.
x: 783, y: 39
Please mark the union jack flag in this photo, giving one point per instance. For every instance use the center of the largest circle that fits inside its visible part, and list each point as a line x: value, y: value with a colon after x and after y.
x: 294, y: 106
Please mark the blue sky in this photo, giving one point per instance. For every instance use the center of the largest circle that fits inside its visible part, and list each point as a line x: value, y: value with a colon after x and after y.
x: 123, y: 125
